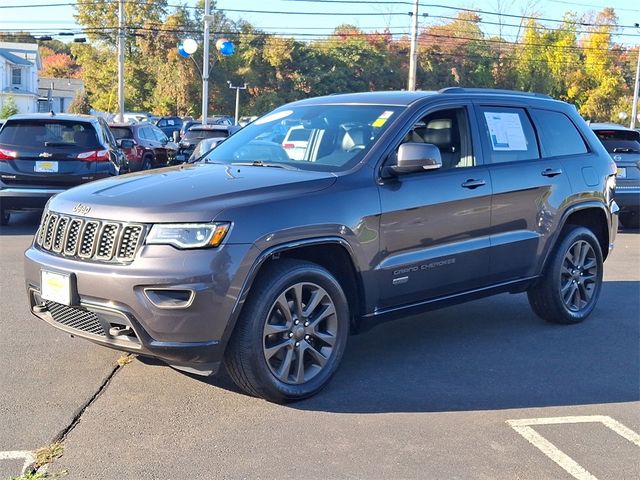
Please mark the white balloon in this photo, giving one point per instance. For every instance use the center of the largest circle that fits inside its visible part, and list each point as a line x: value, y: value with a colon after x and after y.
x: 190, y: 46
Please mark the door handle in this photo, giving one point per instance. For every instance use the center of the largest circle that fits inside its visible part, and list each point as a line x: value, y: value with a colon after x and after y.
x: 471, y: 183
x: 552, y: 172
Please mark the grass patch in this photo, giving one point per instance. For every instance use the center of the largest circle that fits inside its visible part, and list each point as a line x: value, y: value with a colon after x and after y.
x: 125, y: 359
x: 40, y: 475
x: 48, y: 454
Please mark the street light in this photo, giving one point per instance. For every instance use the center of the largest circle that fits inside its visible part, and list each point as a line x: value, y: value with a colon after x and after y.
x: 238, y: 88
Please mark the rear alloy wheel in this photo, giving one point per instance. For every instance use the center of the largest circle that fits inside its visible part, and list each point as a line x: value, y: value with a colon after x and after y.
x: 291, y: 334
x: 569, y: 289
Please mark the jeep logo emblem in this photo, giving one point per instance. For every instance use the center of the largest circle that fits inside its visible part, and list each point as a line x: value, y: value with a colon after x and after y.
x: 81, y: 209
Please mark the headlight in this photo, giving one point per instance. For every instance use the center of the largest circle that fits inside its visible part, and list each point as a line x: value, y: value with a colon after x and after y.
x: 188, y: 235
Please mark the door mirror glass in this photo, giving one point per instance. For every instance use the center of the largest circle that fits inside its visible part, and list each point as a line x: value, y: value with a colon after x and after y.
x: 416, y: 157
x: 125, y: 143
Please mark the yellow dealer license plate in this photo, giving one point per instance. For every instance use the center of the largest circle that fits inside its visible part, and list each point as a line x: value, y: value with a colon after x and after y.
x: 56, y: 287
x: 621, y: 172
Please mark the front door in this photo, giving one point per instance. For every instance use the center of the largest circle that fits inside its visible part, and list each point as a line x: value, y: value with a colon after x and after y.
x: 434, y: 228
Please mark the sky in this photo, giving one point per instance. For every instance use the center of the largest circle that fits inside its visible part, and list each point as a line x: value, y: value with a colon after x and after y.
x: 362, y: 13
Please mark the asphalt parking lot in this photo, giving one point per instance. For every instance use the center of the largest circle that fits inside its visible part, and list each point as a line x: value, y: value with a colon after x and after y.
x: 483, y: 390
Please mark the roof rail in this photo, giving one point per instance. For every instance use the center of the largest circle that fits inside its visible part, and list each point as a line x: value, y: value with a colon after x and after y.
x: 495, y: 91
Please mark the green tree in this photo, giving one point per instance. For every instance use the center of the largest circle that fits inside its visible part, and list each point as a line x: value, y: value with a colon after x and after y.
x: 9, y: 108
x: 80, y: 104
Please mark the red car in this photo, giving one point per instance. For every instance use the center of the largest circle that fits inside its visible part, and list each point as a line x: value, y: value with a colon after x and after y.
x: 151, y: 147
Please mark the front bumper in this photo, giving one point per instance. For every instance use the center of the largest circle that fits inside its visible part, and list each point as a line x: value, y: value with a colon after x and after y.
x: 113, y: 306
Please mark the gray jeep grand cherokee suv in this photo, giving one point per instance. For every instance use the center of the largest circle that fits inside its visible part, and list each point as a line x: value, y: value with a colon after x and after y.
x: 401, y: 202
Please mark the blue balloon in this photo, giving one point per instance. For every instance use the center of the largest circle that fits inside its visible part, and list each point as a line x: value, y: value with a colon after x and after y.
x: 227, y: 49
x: 181, y: 51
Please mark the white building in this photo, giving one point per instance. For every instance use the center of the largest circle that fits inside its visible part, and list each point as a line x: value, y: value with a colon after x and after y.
x: 56, y: 94
x: 19, y: 67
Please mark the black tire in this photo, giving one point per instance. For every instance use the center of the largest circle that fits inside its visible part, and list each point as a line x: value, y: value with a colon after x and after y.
x: 5, y: 216
x: 569, y: 288
x: 630, y: 221
x: 147, y: 162
x: 246, y: 355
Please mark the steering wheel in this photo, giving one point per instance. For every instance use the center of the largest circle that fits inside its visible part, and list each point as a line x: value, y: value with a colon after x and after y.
x: 355, y: 148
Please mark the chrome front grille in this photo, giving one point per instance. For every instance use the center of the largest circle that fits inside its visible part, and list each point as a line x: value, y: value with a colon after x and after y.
x: 89, y: 239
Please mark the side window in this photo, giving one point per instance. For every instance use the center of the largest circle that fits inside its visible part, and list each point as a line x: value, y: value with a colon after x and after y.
x: 558, y: 134
x: 449, y: 131
x: 162, y: 123
x: 508, y: 134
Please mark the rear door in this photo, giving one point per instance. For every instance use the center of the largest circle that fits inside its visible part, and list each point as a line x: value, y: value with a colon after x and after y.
x: 49, y: 152
x: 529, y: 188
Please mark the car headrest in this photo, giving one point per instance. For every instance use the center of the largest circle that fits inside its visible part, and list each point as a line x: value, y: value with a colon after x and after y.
x: 355, y: 136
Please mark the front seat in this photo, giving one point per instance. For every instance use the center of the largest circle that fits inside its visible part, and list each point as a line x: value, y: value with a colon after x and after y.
x: 355, y: 138
x: 439, y: 133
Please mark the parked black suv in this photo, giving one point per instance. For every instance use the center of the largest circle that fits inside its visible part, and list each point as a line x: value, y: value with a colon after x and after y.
x: 43, y: 154
x: 402, y: 202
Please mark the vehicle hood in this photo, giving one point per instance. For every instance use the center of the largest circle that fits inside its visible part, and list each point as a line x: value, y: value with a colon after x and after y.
x: 187, y: 193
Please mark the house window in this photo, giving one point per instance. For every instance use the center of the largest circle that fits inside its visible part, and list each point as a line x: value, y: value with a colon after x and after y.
x: 16, y: 76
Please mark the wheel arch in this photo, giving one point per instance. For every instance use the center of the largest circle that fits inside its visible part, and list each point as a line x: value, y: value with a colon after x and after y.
x: 591, y: 215
x: 333, y: 253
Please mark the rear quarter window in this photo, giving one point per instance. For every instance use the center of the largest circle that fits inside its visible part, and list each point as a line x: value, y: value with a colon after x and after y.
x: 558, y: 135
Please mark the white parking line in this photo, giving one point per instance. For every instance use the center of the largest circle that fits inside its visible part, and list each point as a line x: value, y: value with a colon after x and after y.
x: 17, y: 455
x: 523, y: 427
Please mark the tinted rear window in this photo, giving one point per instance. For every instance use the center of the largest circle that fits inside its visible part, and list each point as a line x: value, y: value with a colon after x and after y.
x: 121, y: 132
x: 202, y: 134
x: 49, y: 133
x: 619, y: 141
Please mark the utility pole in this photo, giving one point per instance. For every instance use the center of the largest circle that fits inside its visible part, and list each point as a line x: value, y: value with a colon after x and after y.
x: 121, y: 61
x: 634, y: 108
x: 413, y: 57
x: 244, y: 87
x: 205, y: 64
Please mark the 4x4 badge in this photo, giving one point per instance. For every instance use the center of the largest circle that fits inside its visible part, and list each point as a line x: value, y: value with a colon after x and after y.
x: 45, y: 155
x: 81, y: 209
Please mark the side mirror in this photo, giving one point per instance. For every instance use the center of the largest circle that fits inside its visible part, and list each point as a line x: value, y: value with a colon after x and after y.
x: 126, y: 143
x: 416, y: 157
x: 176, y: 136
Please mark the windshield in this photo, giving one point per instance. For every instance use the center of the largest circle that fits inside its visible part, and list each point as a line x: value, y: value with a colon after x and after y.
x: 620, y: 141
x: 327, y: 137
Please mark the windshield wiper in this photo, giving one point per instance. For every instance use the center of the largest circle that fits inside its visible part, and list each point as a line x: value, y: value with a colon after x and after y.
x: 260, y: 163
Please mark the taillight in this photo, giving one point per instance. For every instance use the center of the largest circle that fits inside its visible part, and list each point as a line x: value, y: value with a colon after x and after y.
x: 288, y: 145
x: 139, y: 151
x: 7, y: 154
x: 94, y: 156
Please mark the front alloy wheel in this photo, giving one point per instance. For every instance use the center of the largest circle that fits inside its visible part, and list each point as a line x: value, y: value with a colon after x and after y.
x: 291, y: 334
x: 300, y: 333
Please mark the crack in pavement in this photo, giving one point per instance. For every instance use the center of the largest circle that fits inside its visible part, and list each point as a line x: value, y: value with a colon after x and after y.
x: 62, y: 435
